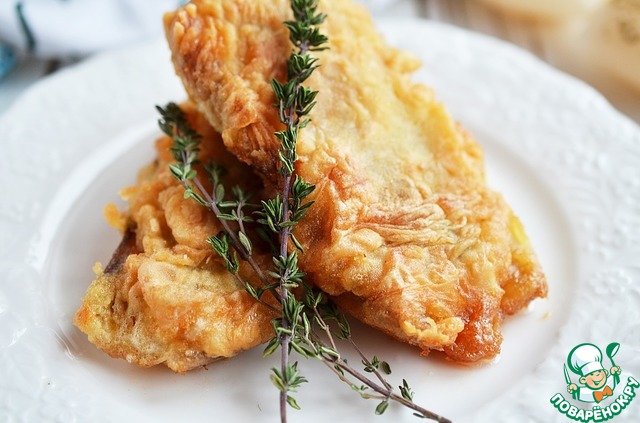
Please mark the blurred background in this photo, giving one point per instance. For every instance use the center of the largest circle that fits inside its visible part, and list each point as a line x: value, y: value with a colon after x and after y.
x: 597, y: 41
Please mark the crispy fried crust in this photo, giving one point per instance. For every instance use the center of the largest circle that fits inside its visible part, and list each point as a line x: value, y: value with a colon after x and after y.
x: 404, y: 234
x: 164, y: 297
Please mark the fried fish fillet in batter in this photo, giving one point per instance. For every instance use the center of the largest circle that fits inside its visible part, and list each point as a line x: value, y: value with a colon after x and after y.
x: 405, y: 235
x: 165, y: 297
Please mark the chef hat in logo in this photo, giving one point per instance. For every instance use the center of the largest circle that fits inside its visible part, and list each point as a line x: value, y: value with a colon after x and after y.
x: 584, y: 359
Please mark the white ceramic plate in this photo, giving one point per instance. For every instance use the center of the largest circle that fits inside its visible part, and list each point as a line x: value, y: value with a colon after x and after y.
x: 564, y: 159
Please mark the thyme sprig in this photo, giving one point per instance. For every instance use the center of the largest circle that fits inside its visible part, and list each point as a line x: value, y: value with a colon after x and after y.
x: 309, y: 323
x: 294, y: 103
x: 318, y: 323
x: 185, y: 149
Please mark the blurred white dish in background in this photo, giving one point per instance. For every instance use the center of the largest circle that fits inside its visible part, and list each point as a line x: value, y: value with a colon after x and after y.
x: 614, y: 39
x: 547, y: 9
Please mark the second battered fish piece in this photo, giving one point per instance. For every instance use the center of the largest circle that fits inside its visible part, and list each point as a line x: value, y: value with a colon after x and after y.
x: 405, y: 234
x: 165, y: 298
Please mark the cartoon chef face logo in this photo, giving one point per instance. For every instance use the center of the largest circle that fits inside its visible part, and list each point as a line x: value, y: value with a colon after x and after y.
x: 597, y: 383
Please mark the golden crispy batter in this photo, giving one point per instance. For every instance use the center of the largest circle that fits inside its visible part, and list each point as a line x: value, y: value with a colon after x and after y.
x: 164, y: 297
x: 404, y: 234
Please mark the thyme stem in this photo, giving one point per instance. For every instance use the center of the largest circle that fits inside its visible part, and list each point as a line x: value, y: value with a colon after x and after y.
x: 285, y: 232
x: 211, y: 201
x: 368, y: 363
x: 385, y: 391
x: 285, y: 336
